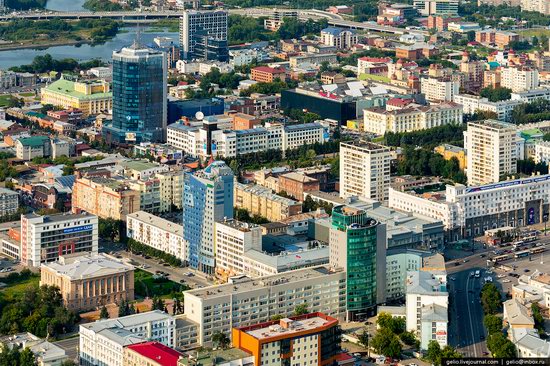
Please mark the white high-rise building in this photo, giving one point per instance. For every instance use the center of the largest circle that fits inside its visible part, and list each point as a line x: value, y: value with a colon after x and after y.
x: 364, y: 170
x: 232, y: 238
x: 440, y: 7
x: 491, y: 151
x: 439, y: 89
x: 204, y: 32
x: 519, y: 78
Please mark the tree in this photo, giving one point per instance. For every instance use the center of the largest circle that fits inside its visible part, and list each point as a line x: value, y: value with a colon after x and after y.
x: 301, y: 309
x: 158, y: 304
x: 449, y: 352
x: 409, y: 339
x: 363, y: 338
x: 492, y: 323
x: 537, y: 317
x: 433, y: 353
x: 500, y: 346
x: 276, y: 317
x: 491, y: 300
x: 496, y: 94
x: 27, y: 358
x: 386, y: 343
x: 104, y: 314
x: 123, y: 308
x: 221, y: 339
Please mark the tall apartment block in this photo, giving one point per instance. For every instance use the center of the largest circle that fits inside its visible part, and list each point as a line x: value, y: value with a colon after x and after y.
x: 439, y: 7
x: 203, y: 35
x: 364, y: 170
x: 358, y: 244
x: 45, y: 238
x: 207, y: 198
x: 491, y: 151
x: 140, y: 111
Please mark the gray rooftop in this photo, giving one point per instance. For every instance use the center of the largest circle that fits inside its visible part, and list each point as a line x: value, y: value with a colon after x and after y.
x: 425, y: 283
x: 156, y: 221
x: 88, y: 266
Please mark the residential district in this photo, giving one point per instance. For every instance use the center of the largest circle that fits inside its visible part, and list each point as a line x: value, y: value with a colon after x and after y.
x: 349, y: 185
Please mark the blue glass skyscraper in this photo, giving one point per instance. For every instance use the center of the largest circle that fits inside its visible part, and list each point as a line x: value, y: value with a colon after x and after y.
x: 207, y: 198
x: 139, y: 96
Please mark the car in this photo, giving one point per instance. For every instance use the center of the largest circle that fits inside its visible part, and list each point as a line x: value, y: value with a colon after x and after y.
x: 506, y: 281
x: 526, y: 270
x: 182, y: 281
x: 356, y: 354
x: 457, y: 263
x: 482, y: 337
x: 472, y: 274
x: 482, y: 255
x: 477, y: 274
x: 485, y: 353
x: 452, y: 278
x: 147, y: 257
x: 465, y: 260
x: 166, y: 264
x: 501, y: 276
x: 157, y: 272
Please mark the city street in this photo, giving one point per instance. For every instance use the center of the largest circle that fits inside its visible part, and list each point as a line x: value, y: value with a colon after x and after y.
x: 70, y: 345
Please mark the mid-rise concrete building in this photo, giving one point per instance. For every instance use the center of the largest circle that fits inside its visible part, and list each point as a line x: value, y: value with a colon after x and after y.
x: 157, y: 233
x: 45, y: 238
x: 472, y: 103
x: 245, y: 302
x: 519, y: 78
x: 338, y: 37
x: 438, y: 89
x: 491, y: 151
x: 258, y: 200
x: 364, y: 170
x: 89, y: 281
x: 91, y: 97
x: 9, y: 201
x: 437, y: 7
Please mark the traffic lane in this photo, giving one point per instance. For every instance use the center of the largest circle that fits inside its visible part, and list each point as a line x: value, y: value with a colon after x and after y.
x: 70, y: 346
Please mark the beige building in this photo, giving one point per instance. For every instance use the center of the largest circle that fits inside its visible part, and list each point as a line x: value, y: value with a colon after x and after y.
x: 491, y: 151
x: 519, y: 78
x: 105, y: 197
x: 364, y: 170
x: 261, y: 201
x: 380, y: 121
x: 91, y: 97
x: 89, y: 281
x: 439, y: 89
x: 171, y: 190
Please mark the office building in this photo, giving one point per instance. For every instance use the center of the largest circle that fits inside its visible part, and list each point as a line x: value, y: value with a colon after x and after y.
x: 207, y: 198
x: 91, y: 97
x: 358, y: 244
x: 105, y: 197
x: 261, y: 201
x: 45, y: 238
x: 364, y: 170
x: 338, y: 37
x: 309, y: 339
x: 519, y: 79
x: 232, y: 239
x: 246, y: 301
x: 203, y: 35
x: 139, y: 96
x: 427, y: 302
x: 89, y: 281
x: 436, y: 7
x: 151, y: 354
x: 408, y: 119
x: 491, y: 151
x: 9, y: 201
x: 157, y: 233
x: 102, y: 342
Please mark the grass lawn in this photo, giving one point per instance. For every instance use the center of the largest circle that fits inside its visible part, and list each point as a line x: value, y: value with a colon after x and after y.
x: 374, y: 77
x: 16, y: 289
x: 4, y: 99
x: 26, y: 94
x: 146, y: 286
x: 535, y: 32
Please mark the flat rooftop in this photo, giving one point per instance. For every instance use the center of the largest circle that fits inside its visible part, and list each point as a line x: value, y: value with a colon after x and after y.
x: 158, y: 222
x: 262, y: 282
x: 239, y: 225
x: 289, y: 327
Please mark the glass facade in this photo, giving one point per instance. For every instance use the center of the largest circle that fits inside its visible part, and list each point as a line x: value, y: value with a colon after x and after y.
x: 139, y: 96
x: 361, y: 246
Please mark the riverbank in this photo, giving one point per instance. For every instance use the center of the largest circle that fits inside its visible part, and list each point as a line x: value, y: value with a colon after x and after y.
x: 42, y: 46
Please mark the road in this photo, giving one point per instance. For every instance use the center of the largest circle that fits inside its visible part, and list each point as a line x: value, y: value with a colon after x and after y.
x: 70, y: 345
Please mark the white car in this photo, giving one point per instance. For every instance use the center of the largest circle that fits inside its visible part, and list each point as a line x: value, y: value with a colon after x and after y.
x: 501, y: 276
x: 506, y: 281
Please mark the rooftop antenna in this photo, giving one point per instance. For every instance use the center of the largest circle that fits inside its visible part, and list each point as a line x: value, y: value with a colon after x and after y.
x: 137, y: 40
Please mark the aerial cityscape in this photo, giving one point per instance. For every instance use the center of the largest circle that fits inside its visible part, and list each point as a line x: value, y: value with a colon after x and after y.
x: 274, y: 182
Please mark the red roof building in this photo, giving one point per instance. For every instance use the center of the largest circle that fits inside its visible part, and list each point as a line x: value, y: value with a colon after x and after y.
x: 265, y: 74
x: 150, y: 354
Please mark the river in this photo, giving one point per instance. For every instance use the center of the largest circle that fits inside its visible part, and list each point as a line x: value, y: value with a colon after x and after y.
x: 65, y: 5
x: 83, y: 52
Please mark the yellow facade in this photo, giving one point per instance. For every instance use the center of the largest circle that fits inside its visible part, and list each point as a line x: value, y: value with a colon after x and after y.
x: 448, y: 152
x: 90, y: 97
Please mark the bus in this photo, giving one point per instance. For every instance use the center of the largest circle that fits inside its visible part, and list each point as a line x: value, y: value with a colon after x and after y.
x: 500, y: 258
x: 530, y: 236
x: 522, y: 254
x: 538, y: 250
x: 519, y: 245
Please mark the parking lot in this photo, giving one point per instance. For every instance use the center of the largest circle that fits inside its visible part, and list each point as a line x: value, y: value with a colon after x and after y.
x: 508, y: 272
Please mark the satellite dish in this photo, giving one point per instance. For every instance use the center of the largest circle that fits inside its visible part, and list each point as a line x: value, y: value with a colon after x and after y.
x: 199, y: 115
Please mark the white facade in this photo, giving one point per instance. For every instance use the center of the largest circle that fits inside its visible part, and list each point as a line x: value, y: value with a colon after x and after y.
x: 246, y: 302
x: 101, y: 72
x: 45, y: 238
x: 427, y: 294
x: 519, y: 78
x: 157, y: 233
x: 9, y: 201
x: 380, y: 121
x: 364, y: 170
x: 473, y: 103
x: 540, y: 6
x: 542, y: 152
x: 231, y: 239
x: 339, y: 38
x: 431, y: 7
x: 439, y: 89
x: 102, y: 342
x: 491, y: 151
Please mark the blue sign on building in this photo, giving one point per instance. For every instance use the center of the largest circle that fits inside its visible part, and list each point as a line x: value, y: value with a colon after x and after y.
x: 77, y: 229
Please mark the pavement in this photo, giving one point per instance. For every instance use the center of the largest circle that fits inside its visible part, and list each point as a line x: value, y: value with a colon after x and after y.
x: 70, y: 345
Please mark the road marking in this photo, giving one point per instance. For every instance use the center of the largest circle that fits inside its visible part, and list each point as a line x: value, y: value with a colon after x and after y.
x: 470, y: 314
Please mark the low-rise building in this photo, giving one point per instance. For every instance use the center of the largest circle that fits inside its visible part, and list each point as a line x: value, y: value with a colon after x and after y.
x: 27, y: 148
x: 150, y: 354
x: 89, y: 281
x: 473, y: 103
x: 261, y: 201
x: 45, y: 238
x: 265, y: 74
x: 46, y: 353
x: 450, y: 151
x: 305, y: 339
x: 157, y: 233
x: 91, y: 97
x: 296, y: 184
x: 102, y: 342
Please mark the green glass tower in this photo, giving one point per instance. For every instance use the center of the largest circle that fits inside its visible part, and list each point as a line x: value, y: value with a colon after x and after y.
x: 357, y: 244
